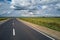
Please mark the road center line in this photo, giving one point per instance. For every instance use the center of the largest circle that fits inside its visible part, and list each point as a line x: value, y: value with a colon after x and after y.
x: 13, y: 23
x: 13, y: 32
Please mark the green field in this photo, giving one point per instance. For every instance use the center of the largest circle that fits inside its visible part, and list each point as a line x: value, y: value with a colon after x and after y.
x: 3, y: 19
x: 52, y: 23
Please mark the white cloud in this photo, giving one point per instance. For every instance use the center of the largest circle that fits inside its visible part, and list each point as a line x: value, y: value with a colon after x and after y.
x: 58, y: 6
x: 27, y: 14
x: 44, y: 7
x: 21, y: 2
x: 0, y: 4
x: 33, y: 3
x: 12, y: 7
x: 49, y: 1
x: 31, y: 13
x: 4, y: 12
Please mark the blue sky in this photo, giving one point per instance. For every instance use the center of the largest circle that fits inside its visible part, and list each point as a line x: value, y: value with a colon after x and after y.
x: 4, y: 0
x: 33, y: 8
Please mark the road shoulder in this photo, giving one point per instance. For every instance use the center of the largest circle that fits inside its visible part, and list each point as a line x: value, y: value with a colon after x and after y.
x: 45, y: 30
x: 1, y: 22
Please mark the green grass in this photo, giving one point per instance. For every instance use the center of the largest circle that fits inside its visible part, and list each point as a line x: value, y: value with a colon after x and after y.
x: 52, y: 23
x: 1, y: 19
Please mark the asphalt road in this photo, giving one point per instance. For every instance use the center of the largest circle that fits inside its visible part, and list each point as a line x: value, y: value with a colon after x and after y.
x: 16, y: 30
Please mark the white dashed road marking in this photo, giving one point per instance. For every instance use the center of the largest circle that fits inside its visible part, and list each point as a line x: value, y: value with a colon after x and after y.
x: 13, y: 32
x: 13, y: 29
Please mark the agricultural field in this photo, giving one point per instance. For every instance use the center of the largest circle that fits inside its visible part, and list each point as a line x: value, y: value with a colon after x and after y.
x: 3, y: 19
x: 52, y: 23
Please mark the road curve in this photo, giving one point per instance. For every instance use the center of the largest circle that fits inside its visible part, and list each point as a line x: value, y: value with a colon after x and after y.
x: 16, y: 30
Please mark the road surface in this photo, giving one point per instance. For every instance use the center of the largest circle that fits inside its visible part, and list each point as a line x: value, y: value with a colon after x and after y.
x: 16, y: 30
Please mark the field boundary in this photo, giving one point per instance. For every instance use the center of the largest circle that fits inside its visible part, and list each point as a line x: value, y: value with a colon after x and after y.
x: 45, y: 30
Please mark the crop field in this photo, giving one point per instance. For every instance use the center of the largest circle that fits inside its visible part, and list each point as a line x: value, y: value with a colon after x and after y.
x: 3, y: 19
x: 52, y: 23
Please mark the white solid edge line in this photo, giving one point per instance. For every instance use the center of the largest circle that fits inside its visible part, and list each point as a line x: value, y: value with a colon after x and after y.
x: 44, y: 34
x: 13, y: 32
x: 40, y: 32
x: 47, y: 35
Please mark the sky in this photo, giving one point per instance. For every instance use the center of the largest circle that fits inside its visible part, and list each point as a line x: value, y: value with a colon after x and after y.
x: 31, y: 8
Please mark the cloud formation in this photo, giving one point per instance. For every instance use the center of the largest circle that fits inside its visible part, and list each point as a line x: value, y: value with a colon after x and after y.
x: 35, y: 8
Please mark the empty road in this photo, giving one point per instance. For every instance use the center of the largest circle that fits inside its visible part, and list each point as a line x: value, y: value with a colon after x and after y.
x: 16, y: 30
